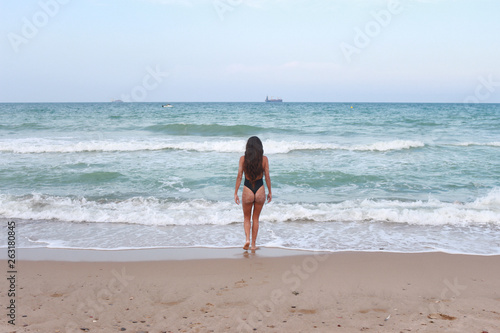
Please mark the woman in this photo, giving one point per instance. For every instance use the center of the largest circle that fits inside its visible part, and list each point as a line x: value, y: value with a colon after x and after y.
x: 254, y: 164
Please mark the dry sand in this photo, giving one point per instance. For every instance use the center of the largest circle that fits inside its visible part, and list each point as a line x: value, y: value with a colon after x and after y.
x: 341, y: 292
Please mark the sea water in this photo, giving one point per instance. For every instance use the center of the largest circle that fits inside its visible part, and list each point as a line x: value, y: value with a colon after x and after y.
x: 361, y: 177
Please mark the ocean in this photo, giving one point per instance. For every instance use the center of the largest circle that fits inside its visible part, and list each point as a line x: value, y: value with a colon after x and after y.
x: 345, y: 177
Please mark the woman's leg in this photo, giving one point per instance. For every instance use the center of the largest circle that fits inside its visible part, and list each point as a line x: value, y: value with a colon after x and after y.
x: 247, y: 199
x: 260, y: 198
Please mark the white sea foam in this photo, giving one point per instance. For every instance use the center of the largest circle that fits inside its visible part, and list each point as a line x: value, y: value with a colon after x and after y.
x: 36, y: 146
x: 139, y: 210
x: 389, y: 145
x: 276, y: 147
x: 152, y: 211
x: 491, y: 144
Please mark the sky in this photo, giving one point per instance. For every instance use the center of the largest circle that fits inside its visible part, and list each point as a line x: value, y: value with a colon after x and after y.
x: 244, y: 50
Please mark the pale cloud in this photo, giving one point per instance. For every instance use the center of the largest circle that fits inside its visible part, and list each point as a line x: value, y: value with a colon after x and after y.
x: 291, y: 65
x: 262, y: 4
x: 186, y: 3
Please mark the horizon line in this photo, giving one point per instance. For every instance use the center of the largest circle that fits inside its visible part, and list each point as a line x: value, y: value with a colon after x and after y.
x: 263, y: 102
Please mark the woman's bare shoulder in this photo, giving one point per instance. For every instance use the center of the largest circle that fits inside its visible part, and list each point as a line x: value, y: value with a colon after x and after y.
x: 265, y: 160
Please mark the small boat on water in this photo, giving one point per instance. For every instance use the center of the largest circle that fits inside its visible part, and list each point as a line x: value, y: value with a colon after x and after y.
x: 167, y: 106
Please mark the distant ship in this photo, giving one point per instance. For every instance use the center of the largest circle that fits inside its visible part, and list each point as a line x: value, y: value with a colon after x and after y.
x: 117, y: 101
x: 273, y: 100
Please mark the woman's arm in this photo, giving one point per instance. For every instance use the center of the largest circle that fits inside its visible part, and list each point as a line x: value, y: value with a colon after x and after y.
x: 268, y: 179
x: 238, y: 180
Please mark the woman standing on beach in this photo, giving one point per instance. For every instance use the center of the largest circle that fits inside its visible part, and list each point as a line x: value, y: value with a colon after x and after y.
x: 254, y: 164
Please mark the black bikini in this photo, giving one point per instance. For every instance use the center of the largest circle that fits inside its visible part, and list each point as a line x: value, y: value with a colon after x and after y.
x: 258, y: 184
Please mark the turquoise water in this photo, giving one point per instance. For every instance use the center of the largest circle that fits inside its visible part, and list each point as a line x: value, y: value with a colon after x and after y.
x: 391, y: 177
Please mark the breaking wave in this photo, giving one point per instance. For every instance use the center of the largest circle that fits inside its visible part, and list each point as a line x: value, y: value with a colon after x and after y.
x: 154, y: 211
x: 37, y: 146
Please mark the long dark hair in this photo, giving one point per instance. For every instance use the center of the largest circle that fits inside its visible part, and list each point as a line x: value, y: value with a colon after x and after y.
x: 252, y: 166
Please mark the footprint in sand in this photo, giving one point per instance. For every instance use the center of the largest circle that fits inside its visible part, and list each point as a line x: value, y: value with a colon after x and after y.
x: 240, y: 284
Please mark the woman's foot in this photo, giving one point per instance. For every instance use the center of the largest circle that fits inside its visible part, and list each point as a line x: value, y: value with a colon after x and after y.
x: 246, y: 246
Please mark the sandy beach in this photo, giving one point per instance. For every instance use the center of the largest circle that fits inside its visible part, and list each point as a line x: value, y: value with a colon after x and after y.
x: 341, y: 292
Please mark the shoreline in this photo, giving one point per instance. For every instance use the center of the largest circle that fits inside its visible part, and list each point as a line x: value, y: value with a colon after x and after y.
x: 146, y: 254
x: 182, y: 253
x: 337, y: 292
